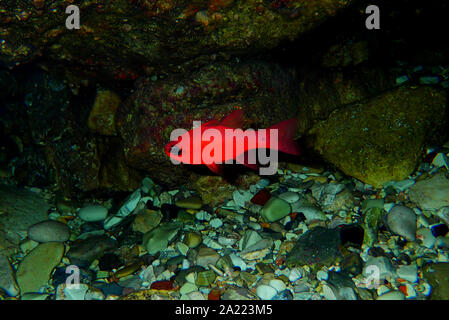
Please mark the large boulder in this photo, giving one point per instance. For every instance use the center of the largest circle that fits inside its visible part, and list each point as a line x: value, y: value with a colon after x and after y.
x: 125, y: 37
x: 264, y: 92
x: 383, y: 138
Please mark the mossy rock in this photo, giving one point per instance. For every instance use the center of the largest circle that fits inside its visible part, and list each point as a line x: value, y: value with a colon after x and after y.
x: 383, y: 138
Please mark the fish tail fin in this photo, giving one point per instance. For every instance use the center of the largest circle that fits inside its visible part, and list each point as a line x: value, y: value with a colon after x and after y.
x: 286, y: 134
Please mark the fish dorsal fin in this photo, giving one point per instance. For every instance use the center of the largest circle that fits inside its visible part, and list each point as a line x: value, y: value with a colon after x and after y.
x: 217, y: 168
x: 211, y: 123
x: 234, y: 120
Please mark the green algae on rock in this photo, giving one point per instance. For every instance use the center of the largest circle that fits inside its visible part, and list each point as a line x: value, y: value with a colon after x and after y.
x: 383, y: 138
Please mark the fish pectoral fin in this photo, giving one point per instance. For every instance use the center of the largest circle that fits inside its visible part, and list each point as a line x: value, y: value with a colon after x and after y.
x: 234, y: 120
x: 217, y: 168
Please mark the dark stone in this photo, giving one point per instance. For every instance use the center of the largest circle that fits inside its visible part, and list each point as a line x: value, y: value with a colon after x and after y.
x: 440, y: 230
x: 318, y: 246
x: 352, y: 235
x: 60, y: 276
x: 109, y: 261
x: 175, y: 260
x: 109, y: 288
x: 91, y: 226
x: 169, y: 212
x: 82, y: 253
x: 351, y: 264
x: 180, y: 277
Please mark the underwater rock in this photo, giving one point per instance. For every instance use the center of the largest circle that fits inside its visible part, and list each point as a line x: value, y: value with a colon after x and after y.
x: 317, y: 246
x: 431, y: 194
x: 145, y: 121
x: 82, y: 253
x: 207, y: 256
x: 48, y: 231
x: 200, y: 31
x: 7, y: 277
x: 102, y: 116
x: 35, y: 269
x: 193, y: 239
x: 158, y: 239
x: 194, y: 202
x: 402, y: 221
x: 438, y: 276
x: 24, y: 209
x: 275, y: 209
x: 146, y: 220
x: 93, y: 213
x: 383, y: 138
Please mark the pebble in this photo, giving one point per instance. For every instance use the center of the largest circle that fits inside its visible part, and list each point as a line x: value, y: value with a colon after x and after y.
x: 82, y: 253
x: 158, y: 239
x: 431, y: 194
x: 128, y: 207
x: 48, y: 231
x: 238, y: 262
x: 193, y: 239
x: 182, y: 248
x: 392, y: 295
x: 194, y: 202
x: 426, y: 237
x: 257, y: 251
x: 283, y: 295
x: 409, y: 273
x: 207, y: 256
x: 187, y: 288
x: 402, y: 221
x: 289, y: 196
x: 146, y: 220
x: 216, y: 223
x: 295, y: 274
x: 378, y: 266
x: 265, y: 292
x: 249, y: 239
x: 275, y: 209
x: 311, y: 213
x: 35, y: 269
x: 241, y: 198
x: 93, y: 213
x: 7, y: 277
x: 279, y: 285
x: 203, y: 216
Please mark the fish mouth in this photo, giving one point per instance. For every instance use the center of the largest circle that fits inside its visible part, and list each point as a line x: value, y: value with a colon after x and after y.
x: 172, y: 150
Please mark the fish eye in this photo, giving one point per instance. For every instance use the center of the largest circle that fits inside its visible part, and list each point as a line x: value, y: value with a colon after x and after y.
x: 175, y: 150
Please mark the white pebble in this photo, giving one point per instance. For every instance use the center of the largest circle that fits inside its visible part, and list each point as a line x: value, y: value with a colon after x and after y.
x: 216, y: 223
x: 295, y: 274
x: 93, y: 213
x: 279, y: 285
x: 265, y: 292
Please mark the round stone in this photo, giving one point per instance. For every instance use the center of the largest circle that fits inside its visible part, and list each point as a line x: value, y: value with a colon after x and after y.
x: 402, y: 221
x: 275, y: 209
x: 93, y: 213
x: 289, y: 196
x: 265, y: 292
x: 279, y: 285
x: 49, y: 231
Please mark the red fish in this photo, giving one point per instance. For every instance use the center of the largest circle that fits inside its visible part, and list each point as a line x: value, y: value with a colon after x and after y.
x: 222, y: 141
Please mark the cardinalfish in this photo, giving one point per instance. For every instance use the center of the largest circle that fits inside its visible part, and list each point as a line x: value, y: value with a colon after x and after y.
x: 219, y: 142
